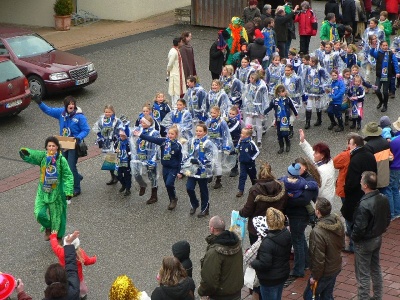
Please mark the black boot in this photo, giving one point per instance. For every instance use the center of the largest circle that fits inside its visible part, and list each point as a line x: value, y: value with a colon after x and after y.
x: 291, y: 131
x: 379, y: 95
x: 217, y: 184
x: 385, y: 102
x: 127, y: 192
x: 319, y: 119
x: 352, y: 126
x: 308, y: 119
x: 333, y: 122
x: 234, y: 172
x: 281, y: 144
x: 113, y: 180
x: 287, y: 145
x: 122, y: 189
x: 358, y: 123
x: 340, y: 126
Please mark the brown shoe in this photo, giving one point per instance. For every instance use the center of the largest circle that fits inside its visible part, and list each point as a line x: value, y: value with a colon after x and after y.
x: 172, y: 204
x: 47, y: 234
x: 142, y: 190
x: 239, y: 194
x: 153, y: 197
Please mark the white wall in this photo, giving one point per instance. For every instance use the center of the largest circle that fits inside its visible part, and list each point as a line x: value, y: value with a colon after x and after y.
x: 40, y: 12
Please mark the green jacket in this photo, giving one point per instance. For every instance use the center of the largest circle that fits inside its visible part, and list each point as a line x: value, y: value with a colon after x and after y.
x: 386, y: 26
x: 325, y: 33
x: 222, y: 266
x: 55, y: 200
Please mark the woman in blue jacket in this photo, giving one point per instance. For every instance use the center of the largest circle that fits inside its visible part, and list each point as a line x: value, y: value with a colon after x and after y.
x: 73, y: 123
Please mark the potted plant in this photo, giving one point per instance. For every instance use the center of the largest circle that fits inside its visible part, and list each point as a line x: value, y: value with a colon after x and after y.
x: 63, y: 10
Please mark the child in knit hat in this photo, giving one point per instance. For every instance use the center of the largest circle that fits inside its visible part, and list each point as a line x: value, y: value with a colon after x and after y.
x: 385, y: 124
x: 295, y: 185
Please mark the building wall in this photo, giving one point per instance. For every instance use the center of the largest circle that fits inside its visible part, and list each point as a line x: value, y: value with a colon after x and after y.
x: 40, y: 12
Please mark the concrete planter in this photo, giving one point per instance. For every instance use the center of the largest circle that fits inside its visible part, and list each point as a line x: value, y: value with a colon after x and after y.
x: 62, y: 23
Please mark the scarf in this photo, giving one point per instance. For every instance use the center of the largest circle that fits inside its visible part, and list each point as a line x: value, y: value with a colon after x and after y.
x: 123, y: 159
x: 156, y: 111
x: 167, y: 149
x: 107, y: 124
x: 177, y: 117
x: 235, y: 32
x: 142, y: 145
x: 226, y: 84
x: 333, y: 32
x: 282, y: 118
x: 213, y: 128
x: 200, y: 143
x: 385, y: 67
x: 50, y: 173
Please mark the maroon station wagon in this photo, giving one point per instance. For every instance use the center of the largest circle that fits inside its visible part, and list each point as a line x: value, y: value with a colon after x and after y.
x: 15, y: 95
x: 48, y: 70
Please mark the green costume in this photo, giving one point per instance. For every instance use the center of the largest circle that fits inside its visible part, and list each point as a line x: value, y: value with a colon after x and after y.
x: 328, y: 32
x: 51, y: 207
x: 386, y: 26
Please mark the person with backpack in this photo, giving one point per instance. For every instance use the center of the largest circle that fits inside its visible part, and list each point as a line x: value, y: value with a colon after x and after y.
x: 306, y: 19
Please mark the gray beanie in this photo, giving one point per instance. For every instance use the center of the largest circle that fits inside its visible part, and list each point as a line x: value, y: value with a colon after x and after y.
x: 384, y: 122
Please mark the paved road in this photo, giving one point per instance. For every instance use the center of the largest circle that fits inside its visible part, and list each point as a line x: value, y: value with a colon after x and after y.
x: 128, y: 236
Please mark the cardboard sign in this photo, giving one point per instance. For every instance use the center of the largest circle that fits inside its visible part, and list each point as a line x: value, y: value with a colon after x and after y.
x: 66, y: 142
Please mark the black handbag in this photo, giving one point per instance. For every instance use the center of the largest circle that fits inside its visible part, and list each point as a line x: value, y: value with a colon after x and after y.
x: 81, y: 149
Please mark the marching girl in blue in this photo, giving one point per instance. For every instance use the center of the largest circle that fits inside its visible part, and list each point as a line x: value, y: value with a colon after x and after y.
x: 171, y: 159
x: 255, y: 100
x: 243, y: 73
x: 144, y: 155
x: 147, y: 111
x: 282, y: 105
x: 231, y: 85
x: 369, y: 61
x: 198, y: 167
x: 235, y: 128
x: 349, y: 57
x: 320, y: 52
x: 356, y: 94
x: 301, y: 72
x: 196, y: 99
x: 336, y: 94
x: 387, y: 67
x: 218, y: 97
x: 355, y: 71
x: 248, y: 153
x: 315, y: 80
x: 274, y: 73
x: 107, y: 129
x: 269, y: 41
x: 293, y: 59
x: 218, y: 133
x: 330, y: 60
x: 160, y: 110
x: 180, y: 117
x: 123, y: 150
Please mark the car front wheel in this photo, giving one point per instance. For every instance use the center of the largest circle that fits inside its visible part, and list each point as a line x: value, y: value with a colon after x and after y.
x: 36, y: 86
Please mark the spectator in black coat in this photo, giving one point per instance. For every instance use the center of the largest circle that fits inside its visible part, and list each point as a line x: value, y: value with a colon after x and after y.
x: 332, y: 7
x: 181, y: 250
x: 63, y: 284
x: 257, y: 49
x: 272, y: 262
x: 219, y: 52
x: 349, y: 12
x: 282, y: 22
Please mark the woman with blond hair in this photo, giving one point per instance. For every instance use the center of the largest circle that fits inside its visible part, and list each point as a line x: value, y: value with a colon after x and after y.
x: 272, y: 262
x: 124, y: 289
x: 174, y: 282
x: 267, y: 192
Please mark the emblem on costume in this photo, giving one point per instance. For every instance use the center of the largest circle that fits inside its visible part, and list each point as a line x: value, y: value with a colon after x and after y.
x: 106, y: 121
x: 156, y: 113
x: 284, y: 121
x: 316, y: 81
x: 292, y: 87
x: 142, y: 145
x: 384, y: 71
x: 51, y: 169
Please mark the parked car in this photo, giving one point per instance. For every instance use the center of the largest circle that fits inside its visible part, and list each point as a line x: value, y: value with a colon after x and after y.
x: 48, y: 70
x: 15, y: 95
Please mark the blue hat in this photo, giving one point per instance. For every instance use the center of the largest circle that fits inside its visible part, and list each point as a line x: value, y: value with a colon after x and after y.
x: 294, y: 169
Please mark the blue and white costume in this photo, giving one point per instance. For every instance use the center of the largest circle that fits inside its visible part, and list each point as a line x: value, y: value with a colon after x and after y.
x: 243, y: 74
x: 159, y: 113
x: 273, y: 76
x: 294, y: 87
x: 316, y: 79
x: 107, y: 130
x: 233, y: 88
x: 183, y: 119
x: 219, y: 99
x: 331, y: 61
x: 196, y: 101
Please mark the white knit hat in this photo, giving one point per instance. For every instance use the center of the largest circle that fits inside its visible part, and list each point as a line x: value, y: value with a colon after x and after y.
x: 75, y: 242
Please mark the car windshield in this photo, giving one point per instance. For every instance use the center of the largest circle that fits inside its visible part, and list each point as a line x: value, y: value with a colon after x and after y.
x: 8, y: 71
x: 29, y: 45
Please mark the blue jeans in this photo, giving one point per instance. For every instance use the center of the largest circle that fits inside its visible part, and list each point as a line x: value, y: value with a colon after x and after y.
x: 393, y: 193
x: 367, y: 267
x: 271, y: 292
x: 169, y: 176
x: 324, y: 289
x: 191, y: 185
x: 72, y: 157
x: 297, y: 228
x: 246, y: 169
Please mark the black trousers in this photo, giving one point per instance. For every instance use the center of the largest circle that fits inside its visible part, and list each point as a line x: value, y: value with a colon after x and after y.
x: 305, y: 43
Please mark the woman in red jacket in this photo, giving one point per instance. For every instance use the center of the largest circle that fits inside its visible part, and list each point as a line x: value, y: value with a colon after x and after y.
x: 305, y: 19
x: 392, y: 7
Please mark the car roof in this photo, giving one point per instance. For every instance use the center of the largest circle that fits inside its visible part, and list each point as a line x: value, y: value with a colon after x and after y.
x: 6, y: 32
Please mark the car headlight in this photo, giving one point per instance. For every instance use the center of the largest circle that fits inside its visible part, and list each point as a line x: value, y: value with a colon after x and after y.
x: 90, y: 67
x: 58, y: 76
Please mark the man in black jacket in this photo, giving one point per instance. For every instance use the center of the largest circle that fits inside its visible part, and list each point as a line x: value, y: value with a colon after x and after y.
x: 361, y: 160
x: 371, y: 219
x: 282, y: 23
x: 219, y: 52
